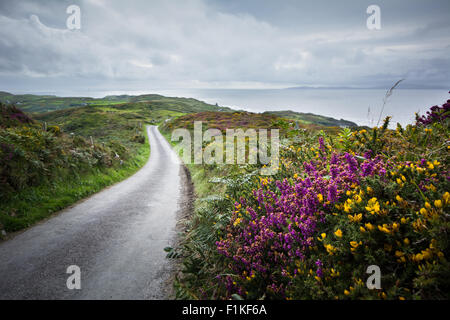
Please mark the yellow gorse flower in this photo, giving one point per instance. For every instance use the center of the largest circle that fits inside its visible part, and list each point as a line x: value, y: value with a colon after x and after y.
x: 419, y: 224
x: 338, y: 233
x: 373, y: 206
x: 358, y: 199
x: 355, y: 218
x: 330, y: 249
x: 323, y: 236
x: 446, y: 197
x: 354, y: 245
x: 348, y: 205
x: 384, y: 228
x: 320, y: 197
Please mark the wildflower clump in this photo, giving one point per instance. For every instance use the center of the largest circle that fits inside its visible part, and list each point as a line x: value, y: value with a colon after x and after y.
x: 338, y: 204
x: 314, y: 235
x: 273, y: 233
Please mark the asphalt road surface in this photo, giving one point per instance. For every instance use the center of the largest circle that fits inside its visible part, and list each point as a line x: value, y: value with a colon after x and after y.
x: 116, y: 238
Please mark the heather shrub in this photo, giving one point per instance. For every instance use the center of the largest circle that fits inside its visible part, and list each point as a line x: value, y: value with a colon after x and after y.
x: 338, y: 204
x: 436, y: 114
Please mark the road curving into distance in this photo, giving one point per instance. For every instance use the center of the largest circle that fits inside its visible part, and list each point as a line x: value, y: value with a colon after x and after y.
x: 116, y: 237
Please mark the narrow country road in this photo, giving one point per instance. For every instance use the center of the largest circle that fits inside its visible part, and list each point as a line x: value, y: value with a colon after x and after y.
x: 116, y: 237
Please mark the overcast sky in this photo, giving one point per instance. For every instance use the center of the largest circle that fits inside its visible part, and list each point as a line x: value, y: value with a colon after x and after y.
x: 152, y: 44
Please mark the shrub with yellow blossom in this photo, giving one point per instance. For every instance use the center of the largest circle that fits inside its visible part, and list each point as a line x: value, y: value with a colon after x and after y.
x: 372, y: 197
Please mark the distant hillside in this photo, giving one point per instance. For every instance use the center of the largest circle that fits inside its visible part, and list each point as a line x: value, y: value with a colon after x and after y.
x: 42, y: 103
x: 310, y: 118
x: 154, y: 105
x: 223, y: 121
x: 45, y: 103
x: 242, y: 119
x: 106, y: 122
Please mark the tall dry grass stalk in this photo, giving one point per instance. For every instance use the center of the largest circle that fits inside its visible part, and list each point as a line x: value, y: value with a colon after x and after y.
x: 387, y: 95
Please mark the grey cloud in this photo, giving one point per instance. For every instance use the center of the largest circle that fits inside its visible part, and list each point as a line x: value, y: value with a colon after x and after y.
x: 177, y: 43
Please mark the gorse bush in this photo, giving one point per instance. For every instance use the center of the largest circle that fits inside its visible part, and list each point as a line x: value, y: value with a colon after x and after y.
x: 30, y: 156
x: 314, y: 236
x: 337, y: 205
x: 34, y: 158
x: 273, y: 232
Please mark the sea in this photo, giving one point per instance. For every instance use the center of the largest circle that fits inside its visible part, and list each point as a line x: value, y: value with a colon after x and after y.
x: 362, y: 106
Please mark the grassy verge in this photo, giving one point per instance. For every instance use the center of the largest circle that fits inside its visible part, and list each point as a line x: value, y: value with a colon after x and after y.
x: 200, y: 174
x: 33, y: 204
x: 200, y: 259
